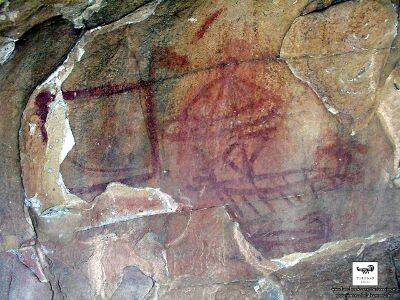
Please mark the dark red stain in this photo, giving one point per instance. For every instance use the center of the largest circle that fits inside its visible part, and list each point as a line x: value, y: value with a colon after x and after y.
x: 244, y: 123
x: 151, y: 126
x: 238, y: 113
x: 206, y: 25
x: 335, y: 165
x: 164, y: 57
x: 42, y: 101
x: 243, y: 117
x: 339, y: 161
x: 102, y: 91
x: 305, y: 233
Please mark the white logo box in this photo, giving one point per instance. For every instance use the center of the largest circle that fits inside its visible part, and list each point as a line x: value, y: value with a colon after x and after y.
x: 365, y: 273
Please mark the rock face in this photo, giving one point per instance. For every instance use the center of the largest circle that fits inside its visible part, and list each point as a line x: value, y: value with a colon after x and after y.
x: 340, y: 53
x: 36, y: 55
x: 198, y: 149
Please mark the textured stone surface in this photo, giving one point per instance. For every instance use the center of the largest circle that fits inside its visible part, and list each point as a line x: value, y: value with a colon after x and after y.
x: 18, y: 282
x: 200, y: 149
x: 112, y: 10
x: 341, y: 53
x: 36, y: 55
x: 333, y: 271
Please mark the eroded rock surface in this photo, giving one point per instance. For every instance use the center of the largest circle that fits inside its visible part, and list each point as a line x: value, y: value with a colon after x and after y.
x: 209, y: 149
x: 36, y: 55
x: 341, y: 53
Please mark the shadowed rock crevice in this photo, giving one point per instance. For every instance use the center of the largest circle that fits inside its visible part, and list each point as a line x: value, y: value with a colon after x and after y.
x: 112, y: 10
x: 319, y: 6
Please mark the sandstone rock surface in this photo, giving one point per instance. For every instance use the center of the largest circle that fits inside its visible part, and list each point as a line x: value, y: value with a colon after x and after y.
x: 198, y: 149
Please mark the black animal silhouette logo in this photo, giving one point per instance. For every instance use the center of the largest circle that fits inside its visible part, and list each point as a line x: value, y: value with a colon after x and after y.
x: 366, y: 270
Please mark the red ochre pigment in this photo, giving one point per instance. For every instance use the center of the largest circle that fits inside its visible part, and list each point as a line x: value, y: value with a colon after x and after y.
x: 42, y: 101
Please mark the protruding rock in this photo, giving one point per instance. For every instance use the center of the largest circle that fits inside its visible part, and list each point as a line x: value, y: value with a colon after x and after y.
x: 340, y: 52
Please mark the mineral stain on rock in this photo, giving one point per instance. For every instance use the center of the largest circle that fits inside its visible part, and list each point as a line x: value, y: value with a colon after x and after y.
x: 216, y: 152
x: 42, y: 101
x: 206, y: 25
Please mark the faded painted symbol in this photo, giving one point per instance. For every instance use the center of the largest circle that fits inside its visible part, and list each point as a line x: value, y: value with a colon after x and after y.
x: 276, y: 235
x: 206, y: 25
x: 227, y: 128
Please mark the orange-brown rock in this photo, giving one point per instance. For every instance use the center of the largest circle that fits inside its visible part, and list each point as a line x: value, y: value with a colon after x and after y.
x: 213, y: 149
